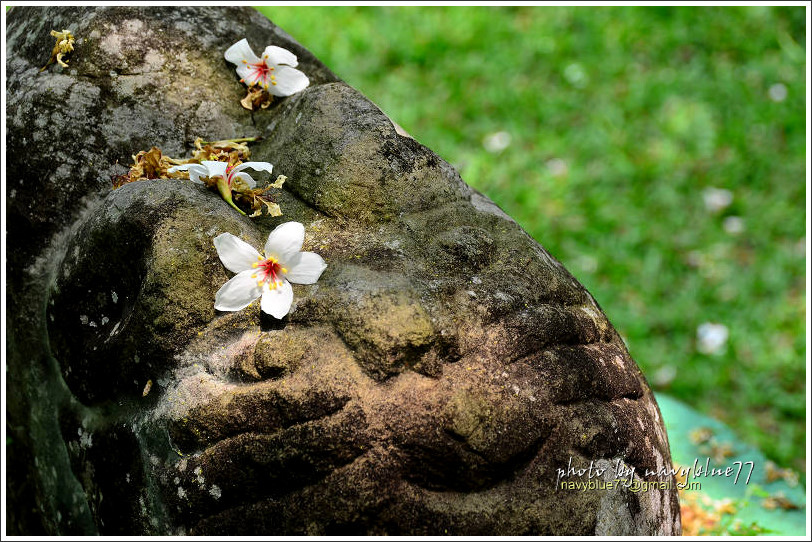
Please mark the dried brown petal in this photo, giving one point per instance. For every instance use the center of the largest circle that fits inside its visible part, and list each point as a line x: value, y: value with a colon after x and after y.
x: 779, y: 501
x: 720, y: 451
x: 773, y: 473
x: 280, y: 180
x: 257, y: 198
x: 151, y: 164
x: 256, y: 98
x: 701, y: 435
x: 64, y: 46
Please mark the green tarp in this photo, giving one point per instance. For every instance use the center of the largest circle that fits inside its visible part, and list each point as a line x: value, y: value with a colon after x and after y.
x: 762, y: 504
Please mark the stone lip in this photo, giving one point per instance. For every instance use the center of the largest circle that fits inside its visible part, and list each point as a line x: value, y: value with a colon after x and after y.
x: 431, y: 382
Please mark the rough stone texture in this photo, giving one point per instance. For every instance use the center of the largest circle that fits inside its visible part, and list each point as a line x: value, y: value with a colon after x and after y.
x: 433, y: 381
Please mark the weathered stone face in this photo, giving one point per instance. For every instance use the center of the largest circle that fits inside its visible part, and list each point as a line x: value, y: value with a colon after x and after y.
x: 432, y: 381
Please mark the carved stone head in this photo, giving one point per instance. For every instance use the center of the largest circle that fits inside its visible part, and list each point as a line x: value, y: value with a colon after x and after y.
x: 435, y: 380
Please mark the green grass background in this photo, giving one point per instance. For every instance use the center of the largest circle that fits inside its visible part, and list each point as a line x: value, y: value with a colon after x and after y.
x: 619, y: 118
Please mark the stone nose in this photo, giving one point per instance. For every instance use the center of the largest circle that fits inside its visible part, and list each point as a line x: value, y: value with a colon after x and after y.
x: 257, y: 382
x: 263, y: 408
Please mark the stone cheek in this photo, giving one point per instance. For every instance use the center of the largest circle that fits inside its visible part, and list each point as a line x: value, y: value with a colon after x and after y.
x: 432, y: 381
x: 388, y: 332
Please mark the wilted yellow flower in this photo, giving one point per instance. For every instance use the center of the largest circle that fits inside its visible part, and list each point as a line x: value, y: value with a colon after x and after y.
x: 216, y: 164
x: 64, y: 45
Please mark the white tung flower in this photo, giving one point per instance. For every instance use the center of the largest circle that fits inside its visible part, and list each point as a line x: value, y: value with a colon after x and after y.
x: 214, y: 168
x: 227, y: 176
x: 711, y: 338
x: 266, y: 276
x: 275, y: 72
x: 717, y: 199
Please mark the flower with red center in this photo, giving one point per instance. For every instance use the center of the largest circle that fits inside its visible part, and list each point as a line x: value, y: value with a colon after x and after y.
x: 267, y: 276
x: 275, y: 72
x: 227, y: 176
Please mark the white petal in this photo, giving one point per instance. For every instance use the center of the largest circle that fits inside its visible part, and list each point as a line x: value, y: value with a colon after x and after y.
x: 241, y: 51
x: 284, y: 242
x: 195, y: 171
x: 258, y: 166
x: 277, y: 302
x: 248, y: 74
x: 305, y: 268
x: 215, y: 168
x: 274, y: 55
x: 236, y: 254
x: 288, y: 81
x: 246, y: 178
x: 238, y: 292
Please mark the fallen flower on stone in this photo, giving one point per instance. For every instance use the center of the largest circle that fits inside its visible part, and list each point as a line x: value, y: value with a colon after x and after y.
x: 267, y: 276
x: 151, y: 164
x: 256, y: 198
x: 274, y: 74
x: 222, y: 170
x: 225, y: 176
x: 225, y: 150
x: 154, y: 164
x: 64, y: 45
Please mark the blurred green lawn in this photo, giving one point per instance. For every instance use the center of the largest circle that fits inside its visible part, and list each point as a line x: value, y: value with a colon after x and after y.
x: 618, y: 120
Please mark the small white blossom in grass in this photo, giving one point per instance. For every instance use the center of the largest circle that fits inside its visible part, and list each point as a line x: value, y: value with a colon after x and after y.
x: 227, y: 177
x: 576, y: 75
x: 717, y: 199
x: 778, y: 92
x: 800, y: 247
x: 496, y: 142
x: 711, y: 338
x: 733, y: 225
x: 557, y: 167
x: 267, y: 276
x: 275, y: 72
x: 664, y: 376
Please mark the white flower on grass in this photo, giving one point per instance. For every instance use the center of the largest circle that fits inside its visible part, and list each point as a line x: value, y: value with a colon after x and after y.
x: 496, y: 142
x: 733, y: 224
x: 275, y: 72
x: 717, y: 199
x: 227, y: 176
x: 268, y: 276
x: 778, y: 92
x: 711, y: 338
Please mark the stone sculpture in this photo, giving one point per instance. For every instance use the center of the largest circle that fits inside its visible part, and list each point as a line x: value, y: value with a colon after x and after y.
x: 435, y: 380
